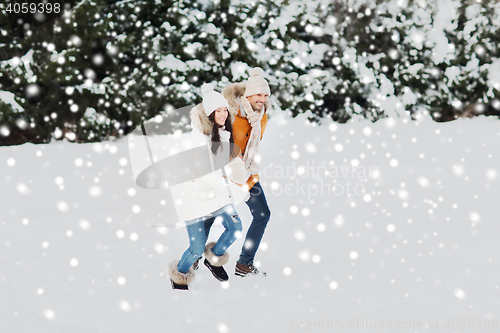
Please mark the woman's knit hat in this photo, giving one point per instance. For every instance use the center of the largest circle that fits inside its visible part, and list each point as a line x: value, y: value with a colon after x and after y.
x: 256, y: 83
x: 212, y: 100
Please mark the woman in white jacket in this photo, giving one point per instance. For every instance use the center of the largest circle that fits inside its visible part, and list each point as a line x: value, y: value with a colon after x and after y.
x: 205, y: 199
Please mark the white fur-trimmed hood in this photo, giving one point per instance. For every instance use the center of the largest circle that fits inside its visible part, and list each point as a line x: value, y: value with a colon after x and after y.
x: 200, y: 121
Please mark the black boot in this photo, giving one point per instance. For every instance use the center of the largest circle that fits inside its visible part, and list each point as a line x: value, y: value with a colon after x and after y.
x: 178, y: 286
x: 218, y: 271
x: 215, y: 262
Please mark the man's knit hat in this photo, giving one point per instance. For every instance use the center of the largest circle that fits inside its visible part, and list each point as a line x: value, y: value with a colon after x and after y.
x: 256, y: 83
x: 212, y: 100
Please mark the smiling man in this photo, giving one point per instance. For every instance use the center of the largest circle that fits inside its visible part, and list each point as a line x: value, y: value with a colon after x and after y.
x: 248, y: 104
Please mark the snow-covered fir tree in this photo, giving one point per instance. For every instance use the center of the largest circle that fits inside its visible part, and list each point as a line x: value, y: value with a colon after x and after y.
x: 103, y: 68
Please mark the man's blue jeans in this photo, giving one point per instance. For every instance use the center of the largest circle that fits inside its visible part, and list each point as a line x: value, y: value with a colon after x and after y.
x: 198, y: 234
x: 261, y: 214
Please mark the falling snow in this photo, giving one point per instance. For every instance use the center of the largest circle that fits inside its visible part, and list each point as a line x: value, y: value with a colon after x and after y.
x: 386, y: 217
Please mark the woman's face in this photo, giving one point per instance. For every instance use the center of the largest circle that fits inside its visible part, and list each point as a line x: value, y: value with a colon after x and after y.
x: 221, y: 116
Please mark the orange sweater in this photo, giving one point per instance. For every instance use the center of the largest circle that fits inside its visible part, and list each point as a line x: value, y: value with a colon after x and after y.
x: 241, y: 133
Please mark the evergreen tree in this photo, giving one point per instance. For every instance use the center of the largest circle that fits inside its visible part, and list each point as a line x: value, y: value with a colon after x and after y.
x: 105, y: 67
x: 471, y: 78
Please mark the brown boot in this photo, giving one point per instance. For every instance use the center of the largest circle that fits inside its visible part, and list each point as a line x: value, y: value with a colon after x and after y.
x: 244, y: 270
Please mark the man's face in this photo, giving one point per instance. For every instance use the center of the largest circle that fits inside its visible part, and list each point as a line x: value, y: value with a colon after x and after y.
x: 257, y: 101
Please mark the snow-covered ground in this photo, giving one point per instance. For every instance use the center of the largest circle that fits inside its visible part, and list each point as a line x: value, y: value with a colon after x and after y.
x: 391, y: 226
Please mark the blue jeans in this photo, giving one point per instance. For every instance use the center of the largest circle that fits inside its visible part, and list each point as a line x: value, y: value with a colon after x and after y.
x: 198, y: 234
x: 261, y: 215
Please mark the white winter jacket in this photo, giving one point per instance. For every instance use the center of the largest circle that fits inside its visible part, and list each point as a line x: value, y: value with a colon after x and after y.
x: 204, y: 195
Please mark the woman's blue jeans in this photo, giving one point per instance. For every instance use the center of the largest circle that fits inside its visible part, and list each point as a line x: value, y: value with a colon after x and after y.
x: 198, y: 234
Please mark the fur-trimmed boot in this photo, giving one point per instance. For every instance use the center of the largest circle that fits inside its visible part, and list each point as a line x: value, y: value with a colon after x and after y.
x: 177, y: 279
x: 214, y: 262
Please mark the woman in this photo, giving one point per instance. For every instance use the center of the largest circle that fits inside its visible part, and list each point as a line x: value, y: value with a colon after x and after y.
x: 207, y: 198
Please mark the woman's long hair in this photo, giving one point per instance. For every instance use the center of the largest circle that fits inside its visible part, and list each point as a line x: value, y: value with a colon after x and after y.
x: 216, y: 137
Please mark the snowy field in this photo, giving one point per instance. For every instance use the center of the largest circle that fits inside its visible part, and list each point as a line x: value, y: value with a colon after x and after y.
x: 385, y: 227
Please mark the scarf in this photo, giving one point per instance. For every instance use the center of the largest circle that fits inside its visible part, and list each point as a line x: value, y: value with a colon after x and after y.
x: 224, y: 135
x: 254, y: 118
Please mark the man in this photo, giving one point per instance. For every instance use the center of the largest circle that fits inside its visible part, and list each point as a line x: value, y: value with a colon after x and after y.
x: 248, y: 103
